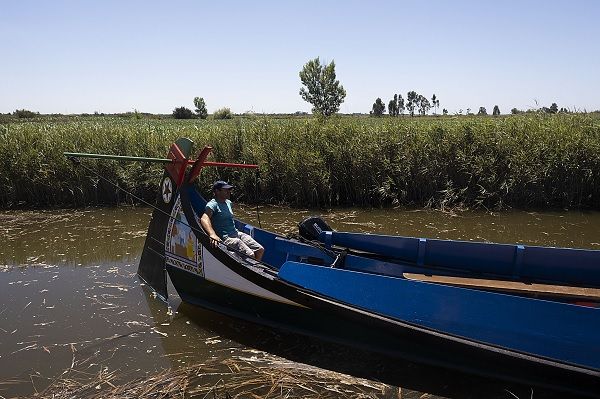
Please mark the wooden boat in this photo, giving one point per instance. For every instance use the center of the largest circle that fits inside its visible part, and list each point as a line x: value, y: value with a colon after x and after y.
x: 514, y: 312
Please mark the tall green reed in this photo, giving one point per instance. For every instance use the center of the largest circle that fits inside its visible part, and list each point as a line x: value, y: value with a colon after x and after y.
x: 514, y: 161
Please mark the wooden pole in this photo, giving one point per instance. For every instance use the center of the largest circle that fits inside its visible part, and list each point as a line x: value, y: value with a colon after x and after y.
x: 156, y: 160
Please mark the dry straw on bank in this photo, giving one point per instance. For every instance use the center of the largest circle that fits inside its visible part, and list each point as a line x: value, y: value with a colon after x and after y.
x: 249, y: 377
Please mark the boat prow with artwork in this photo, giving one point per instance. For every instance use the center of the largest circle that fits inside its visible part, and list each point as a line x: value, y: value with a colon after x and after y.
x: 519, y: 313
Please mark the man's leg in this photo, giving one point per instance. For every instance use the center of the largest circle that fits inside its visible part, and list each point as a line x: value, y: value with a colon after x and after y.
x: 239, y: 246
x: 251, y: 243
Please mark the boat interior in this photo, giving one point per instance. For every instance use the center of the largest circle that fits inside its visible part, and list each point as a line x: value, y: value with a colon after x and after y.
x: 557, y: 274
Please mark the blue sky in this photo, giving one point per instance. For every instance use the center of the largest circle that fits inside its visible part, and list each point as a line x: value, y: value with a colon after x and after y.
x: 117, y: 56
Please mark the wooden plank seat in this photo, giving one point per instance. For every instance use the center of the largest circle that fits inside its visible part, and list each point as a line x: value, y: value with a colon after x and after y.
x: 567, y: 292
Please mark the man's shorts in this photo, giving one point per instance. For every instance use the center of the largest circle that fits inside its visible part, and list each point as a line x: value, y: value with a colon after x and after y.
x: 242, y: 243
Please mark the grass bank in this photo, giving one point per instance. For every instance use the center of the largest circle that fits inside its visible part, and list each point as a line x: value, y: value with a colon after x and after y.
x: 522, y: 161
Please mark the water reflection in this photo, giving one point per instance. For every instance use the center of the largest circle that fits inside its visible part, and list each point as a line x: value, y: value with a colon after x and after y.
x: 70, y: 297
x: 77, y: 237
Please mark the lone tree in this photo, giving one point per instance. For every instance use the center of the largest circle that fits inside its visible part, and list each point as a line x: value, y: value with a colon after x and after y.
x: 182, y: 113
x: 200, y: 107
x: 392, y: 105
x: 435, y: 103
x: 400, y: 105
x: 378, y: 107
x: 553, y: 108
x: 411, y: 102
x: 322, y: 89
x: 423, y: 104
x: 496, y: 111
x: 482, y: 111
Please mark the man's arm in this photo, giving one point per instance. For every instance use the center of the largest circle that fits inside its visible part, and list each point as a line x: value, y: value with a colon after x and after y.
x: 207, y: 226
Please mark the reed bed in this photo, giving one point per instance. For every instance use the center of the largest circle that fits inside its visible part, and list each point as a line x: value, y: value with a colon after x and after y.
x: 521, y: 161
x: 239, y: 377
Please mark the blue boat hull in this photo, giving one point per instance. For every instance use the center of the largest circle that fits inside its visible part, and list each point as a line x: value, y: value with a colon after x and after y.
x: 335, y: 322
x: 552, y: 331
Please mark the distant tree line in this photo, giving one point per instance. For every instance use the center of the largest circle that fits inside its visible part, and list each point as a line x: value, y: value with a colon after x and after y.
x: 200, y: 111
x: 414, y: 103
x: 552, y: 109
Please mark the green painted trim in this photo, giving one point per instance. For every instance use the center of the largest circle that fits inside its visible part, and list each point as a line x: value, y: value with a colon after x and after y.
x: 116, y: 157
x: 185, y: 145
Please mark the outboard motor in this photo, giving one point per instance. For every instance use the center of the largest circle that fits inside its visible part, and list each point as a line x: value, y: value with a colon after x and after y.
x: 312, y: 226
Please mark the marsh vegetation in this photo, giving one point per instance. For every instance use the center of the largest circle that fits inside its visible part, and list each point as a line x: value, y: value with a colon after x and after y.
x: 520, y: 161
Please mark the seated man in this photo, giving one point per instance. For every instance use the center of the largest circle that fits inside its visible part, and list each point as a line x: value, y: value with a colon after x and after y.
x: 218, y: 223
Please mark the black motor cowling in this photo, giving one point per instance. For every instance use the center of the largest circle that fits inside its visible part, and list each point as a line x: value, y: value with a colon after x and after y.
x: 312, y: 226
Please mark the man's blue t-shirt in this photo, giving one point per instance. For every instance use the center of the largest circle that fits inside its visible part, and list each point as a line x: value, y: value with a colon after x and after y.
x: 222, y: 218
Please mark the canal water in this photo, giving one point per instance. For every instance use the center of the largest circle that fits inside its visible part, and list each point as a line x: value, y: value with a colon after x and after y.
x: 70, y: 300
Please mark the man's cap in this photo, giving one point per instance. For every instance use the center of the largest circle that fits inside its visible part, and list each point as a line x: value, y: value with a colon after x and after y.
x: 220, y: 184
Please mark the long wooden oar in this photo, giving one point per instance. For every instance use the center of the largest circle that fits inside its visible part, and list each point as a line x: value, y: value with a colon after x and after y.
x: 155, y: 160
